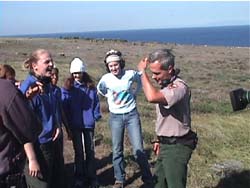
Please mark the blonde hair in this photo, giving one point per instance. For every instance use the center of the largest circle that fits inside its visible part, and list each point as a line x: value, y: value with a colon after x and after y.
x: 33, y: 58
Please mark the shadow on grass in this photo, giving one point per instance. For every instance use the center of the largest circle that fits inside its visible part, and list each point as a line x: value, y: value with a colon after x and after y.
x: 105, y: 178
x: 136, y: 175
x: 235, y: 180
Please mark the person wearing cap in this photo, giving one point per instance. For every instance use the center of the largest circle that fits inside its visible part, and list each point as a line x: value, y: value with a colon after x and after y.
x: 176, y: 140
x: 38, y: 89
x: 83, y: 105
x: 118, y: 87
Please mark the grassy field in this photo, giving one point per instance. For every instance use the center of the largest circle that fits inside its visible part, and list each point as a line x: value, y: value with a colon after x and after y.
x: 222, y: 158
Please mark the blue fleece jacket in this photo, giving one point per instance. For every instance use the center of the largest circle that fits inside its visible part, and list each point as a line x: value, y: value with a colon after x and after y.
x: 72, y: 103
x: 82, y: 106
x: 45, y: 106
x: 57, y: 92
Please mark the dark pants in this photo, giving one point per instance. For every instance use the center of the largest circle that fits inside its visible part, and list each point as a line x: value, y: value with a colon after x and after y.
x: 15, y: 177
x: 13, y: 180
x: 171, y: 166
x: 84, y: 170
x: 45, y: 154
x: 58, y: 176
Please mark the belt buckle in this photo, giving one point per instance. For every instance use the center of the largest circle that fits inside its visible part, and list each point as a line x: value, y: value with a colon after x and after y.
x: 172, y: 140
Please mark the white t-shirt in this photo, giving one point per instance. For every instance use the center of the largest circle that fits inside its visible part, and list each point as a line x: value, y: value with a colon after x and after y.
x: 120, y: 92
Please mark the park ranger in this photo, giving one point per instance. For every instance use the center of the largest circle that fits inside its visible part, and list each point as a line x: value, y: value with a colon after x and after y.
x: 175, y: 139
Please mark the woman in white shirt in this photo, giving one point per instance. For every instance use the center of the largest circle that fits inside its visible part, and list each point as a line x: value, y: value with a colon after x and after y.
x: 118, y: 87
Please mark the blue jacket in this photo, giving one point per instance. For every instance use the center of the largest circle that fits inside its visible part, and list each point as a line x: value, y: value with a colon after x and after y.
x: 45, y: 106
x: 81, y: 105
x: 72, y: 104
x: 57, y: 92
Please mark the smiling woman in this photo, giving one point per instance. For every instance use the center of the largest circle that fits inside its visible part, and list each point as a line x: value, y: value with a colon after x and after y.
x: 45, y: 104
x: 117, y: 87
x: 40, y: 63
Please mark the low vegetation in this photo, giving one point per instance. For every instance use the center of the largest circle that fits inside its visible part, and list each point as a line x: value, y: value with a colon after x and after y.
x: 222, y: 157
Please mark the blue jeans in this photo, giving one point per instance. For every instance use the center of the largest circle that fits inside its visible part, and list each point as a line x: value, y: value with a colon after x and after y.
x: 84, y: 170
x: 118, y: 123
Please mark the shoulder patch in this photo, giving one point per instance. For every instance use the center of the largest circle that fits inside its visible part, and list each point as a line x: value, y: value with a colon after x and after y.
x: 172, y: 86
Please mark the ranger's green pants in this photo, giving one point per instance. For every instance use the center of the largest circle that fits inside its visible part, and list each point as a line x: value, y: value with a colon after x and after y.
x: 171, y: 166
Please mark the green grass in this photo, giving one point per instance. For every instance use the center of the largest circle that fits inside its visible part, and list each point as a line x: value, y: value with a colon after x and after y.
x: 211, y: 73
x: 223, y: 136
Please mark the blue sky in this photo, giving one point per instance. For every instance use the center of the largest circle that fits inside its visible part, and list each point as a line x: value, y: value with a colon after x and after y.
x: 32, y: 17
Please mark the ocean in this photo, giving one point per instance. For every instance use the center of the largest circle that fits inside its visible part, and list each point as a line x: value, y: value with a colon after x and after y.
x: 235, y: 36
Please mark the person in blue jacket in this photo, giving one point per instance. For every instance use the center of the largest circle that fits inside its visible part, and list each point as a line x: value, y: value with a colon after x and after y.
x: 84, y: 105
x: 38, y: 89
x: 58, y: 169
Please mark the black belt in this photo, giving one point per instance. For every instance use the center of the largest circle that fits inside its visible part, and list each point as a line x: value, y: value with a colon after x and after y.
x: 189, y: 139
x: 167, y: 140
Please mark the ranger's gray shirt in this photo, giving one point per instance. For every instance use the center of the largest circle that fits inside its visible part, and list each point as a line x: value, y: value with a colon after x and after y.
x: 174, y: 119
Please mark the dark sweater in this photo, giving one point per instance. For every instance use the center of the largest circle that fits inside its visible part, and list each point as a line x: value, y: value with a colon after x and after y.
x: 18, y: 125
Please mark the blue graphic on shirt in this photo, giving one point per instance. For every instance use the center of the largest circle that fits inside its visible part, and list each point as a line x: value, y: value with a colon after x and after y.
x: 121, y: 98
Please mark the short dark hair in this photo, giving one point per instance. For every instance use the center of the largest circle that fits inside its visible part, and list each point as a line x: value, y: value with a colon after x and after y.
x: 7, y: 71
x: 55, y: 70
x: 164, y: 56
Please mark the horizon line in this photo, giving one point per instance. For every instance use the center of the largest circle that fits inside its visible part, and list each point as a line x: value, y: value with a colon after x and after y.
x: 68, y: 32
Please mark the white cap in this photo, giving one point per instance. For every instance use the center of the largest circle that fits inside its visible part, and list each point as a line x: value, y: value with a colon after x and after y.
x: 113, y: 58
x: 77, y: 65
